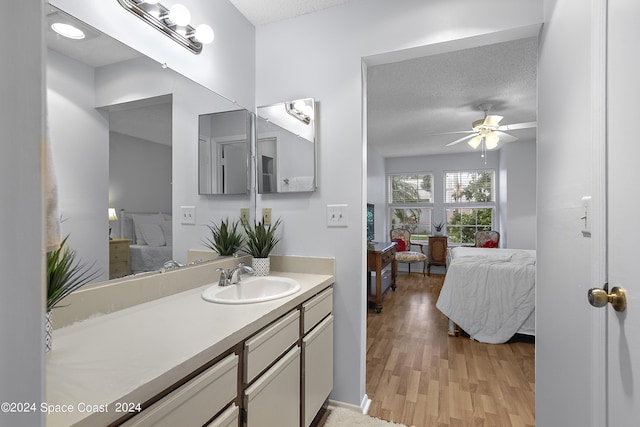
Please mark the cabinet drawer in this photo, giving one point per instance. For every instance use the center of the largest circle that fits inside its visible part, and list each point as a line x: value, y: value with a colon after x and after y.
x: 195, y: 402
x: 118, y: 269
x: 317, y: 350
x: 317, y: 308
x: 274, y: 399
x: 387, y: 257
x: 266, y: 346
x: 228, y: 418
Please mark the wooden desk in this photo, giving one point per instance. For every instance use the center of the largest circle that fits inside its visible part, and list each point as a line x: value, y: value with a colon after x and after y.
x: 379, y: 255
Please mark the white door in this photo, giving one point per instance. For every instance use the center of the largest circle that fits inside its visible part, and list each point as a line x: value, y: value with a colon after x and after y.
x: 623, y: 328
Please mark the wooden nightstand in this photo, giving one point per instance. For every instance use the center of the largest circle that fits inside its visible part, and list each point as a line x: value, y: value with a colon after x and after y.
x: 437, y: 252
x: 119, y: 264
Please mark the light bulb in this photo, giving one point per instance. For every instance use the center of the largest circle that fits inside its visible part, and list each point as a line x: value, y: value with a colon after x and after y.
x: 204, y: 34
x: 299, y: 105
x: 180, y: 15
x: 67, y: 30
x: 491, y: 141
x: 475, y: 141
x: 307, y: 111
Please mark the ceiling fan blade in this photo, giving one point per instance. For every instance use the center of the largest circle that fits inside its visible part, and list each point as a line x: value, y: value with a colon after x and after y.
x: 451, y: 133
x: 516, y: 126
x: 492, y: 120
x: 461, y: 139
x: 505, y: 137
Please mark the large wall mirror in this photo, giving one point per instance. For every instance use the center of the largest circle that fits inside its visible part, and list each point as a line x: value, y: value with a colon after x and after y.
x: 224, y: 152
x: 119, y: 123
x: 286, y: 147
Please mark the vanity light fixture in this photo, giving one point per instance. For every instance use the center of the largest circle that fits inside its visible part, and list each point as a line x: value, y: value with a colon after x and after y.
x: 300, y: 110
x: 173, y: 22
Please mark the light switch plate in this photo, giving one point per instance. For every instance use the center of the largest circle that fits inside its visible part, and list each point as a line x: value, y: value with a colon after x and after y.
x: 266, y: 216
x: 244, y: 215
x: 187, y: 215
x: 337, y: 215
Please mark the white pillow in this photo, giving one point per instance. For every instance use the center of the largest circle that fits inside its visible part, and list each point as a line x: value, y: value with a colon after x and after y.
x: 152, y: 234
x: 167, y: 227
x: 138, y: 219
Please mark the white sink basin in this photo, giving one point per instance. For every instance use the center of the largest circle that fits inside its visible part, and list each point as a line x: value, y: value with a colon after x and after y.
x: 251, y: 290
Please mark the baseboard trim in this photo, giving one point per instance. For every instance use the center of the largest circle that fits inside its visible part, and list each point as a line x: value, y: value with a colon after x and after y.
x: 363, y: 408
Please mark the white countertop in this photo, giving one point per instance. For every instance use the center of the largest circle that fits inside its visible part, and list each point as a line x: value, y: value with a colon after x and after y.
x: 133, y: 354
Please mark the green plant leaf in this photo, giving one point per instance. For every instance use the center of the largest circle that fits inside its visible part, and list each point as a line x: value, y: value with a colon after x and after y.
x: 225, y: 238
x: 65, y: 274
x: 261, y: 239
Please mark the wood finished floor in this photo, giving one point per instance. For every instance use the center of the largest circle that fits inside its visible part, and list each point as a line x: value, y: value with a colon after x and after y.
x: 418, y: 375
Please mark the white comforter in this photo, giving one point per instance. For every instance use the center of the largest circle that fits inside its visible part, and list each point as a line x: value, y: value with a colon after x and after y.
x: 489, y: 293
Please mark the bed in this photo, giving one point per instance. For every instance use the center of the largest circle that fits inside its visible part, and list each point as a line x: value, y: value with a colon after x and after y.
x: 490, y: 293
x: 151, y: 239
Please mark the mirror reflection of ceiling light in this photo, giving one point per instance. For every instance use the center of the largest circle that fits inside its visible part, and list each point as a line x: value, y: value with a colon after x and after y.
x: 300, y: 110
x: 67, y: 30
x: 172, y: 22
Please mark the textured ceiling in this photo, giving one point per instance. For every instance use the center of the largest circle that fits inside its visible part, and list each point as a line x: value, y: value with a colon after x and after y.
x: 407, y: 101
x: 262, y: 12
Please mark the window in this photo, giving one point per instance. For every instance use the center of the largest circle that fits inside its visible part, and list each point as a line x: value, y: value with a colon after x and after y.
x: 469, y: 204
x: 462, y: 223
x: 410, y: 203
x: 469, y: 187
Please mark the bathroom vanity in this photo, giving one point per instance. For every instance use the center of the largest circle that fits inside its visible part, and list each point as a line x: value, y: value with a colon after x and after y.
x: 181, y: 360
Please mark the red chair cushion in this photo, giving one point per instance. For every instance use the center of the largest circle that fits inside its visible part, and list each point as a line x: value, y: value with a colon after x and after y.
x: 401, y: 246
x: 490, y: 244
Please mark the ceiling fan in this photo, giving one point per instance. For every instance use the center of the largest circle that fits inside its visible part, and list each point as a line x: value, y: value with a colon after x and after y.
x: 488, y: 131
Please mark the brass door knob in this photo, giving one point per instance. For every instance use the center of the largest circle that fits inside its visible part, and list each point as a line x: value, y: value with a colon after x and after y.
x: 599, y: 298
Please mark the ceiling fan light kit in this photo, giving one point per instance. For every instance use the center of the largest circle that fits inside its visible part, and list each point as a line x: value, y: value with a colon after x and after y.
x: 487, y: 132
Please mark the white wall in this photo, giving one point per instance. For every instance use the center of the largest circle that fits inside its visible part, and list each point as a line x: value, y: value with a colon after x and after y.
x: 139, y: 174
x: 80, y: 142
x: 563, y: 365
x: 21, y: 254
x: 377, y: 192
x: 518, y: 195
x: 325, y: 63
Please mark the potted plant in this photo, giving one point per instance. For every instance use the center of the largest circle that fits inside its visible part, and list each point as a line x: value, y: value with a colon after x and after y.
x: 260, y: 241
x: 438, y: 227
x: 65, y: 274
x: 225, y: 238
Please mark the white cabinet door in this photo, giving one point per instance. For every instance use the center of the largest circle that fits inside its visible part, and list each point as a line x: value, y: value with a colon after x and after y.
x: 273, y: 400
x: 317, y: 349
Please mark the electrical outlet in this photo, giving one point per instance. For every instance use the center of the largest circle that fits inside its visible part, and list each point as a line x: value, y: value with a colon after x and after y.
x: 336, y: 215
x: 266, y: 216
x: 187, y: 215
x: 244, y: 215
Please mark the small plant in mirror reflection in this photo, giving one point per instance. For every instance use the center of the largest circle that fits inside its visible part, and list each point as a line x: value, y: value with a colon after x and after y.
x: 225, y: 238
x: 261, y: 239
x: 66, y: 274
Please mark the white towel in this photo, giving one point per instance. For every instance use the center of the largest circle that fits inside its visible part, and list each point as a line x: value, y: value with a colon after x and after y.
x: 300, y: 183
x: 49, y: 196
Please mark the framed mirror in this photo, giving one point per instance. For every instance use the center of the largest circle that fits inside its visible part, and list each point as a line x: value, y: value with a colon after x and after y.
x: 224, y: 152
x: 286, y: 147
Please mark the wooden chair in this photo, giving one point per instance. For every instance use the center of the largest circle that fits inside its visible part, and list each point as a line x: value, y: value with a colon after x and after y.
x: 403, y: 249
x: 487, y: 239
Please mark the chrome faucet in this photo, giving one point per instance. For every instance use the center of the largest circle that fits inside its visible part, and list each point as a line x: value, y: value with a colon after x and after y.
x: 172, y: 264
x: 231, y: 276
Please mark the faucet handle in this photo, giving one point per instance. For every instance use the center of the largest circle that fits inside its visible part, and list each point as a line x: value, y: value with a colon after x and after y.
x: 224, y: 277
